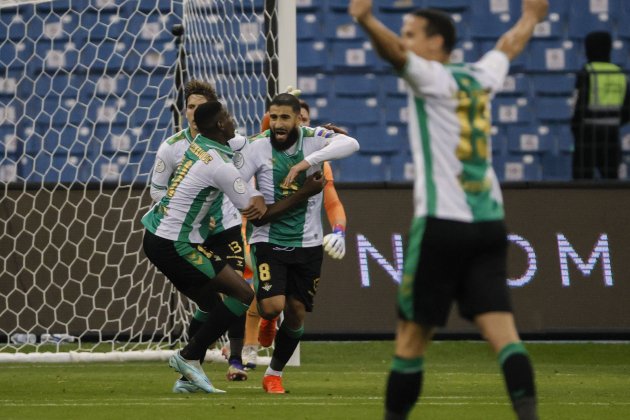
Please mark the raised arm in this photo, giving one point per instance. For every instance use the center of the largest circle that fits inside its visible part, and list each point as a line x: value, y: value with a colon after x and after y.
x: 386, y: 43
x: 513, y: 41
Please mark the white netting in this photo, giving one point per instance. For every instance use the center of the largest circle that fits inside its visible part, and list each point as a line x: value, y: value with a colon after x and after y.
x: 86, y: 88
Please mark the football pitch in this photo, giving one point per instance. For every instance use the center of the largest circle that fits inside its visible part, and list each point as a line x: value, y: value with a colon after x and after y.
x: 337, y: 380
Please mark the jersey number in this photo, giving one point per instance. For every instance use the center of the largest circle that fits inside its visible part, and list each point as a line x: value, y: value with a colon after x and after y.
x: 263, y: 272
x: 235, y: 247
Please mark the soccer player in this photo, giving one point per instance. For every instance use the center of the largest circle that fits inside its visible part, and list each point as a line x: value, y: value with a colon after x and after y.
x: 224, y: 238
x: 457, y: 243
x: 287, y: 253
x: 334, y: 243
x: 180, y: 222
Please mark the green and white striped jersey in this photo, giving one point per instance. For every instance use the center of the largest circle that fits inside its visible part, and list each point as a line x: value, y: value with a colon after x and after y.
x: 205, y: 174
x: 449, y: 134
x: 223, y: 214
x: 302, y: 225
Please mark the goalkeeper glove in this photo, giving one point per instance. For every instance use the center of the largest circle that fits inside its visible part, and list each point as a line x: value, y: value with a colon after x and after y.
x: 294, y: 91
x: 335, y: 242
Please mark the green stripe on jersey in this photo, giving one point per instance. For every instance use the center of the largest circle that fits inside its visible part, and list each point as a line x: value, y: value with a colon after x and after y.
x: 425, y: 138
x: 412, y: 258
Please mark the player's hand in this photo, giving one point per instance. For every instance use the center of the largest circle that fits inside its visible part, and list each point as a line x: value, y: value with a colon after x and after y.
x: 256, y: 209
x: 335, y: 243
x: 314, y: 184
x: 294, y: 172
x: 360, y: 9
x: 332, y: 127
x: 535, y: 8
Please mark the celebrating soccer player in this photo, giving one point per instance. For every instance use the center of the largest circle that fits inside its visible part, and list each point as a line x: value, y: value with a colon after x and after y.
x: 457, y: 244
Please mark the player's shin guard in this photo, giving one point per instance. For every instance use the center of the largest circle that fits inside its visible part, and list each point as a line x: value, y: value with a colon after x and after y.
x: 221, y: 317
x: 403, y: 387
x: 286, y: 343
x: 519, y: 380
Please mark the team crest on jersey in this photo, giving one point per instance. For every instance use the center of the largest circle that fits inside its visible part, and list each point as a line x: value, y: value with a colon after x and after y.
x: 238, y: 160
x: 159, y: 166
x: 239, y: 186
x: 267, y: 287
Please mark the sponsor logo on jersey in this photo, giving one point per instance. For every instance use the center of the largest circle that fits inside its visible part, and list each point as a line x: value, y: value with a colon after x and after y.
x: 239, y: 186
x: 159, y: 166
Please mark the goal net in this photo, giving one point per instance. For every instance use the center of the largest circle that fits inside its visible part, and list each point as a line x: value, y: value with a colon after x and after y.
x: 88, y: 91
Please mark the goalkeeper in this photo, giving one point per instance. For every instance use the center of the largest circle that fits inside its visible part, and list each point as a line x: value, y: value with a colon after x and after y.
x: 181, y: 220
x: 224, y: 237
x: 334, y: 243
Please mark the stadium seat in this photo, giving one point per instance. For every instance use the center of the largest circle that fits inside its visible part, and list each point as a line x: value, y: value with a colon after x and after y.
x: 529, y: 139
x: 354, y: 56
x: 321, y: 112
x: 507, y: 110
x: 308, y: 27
x: 402, y: 169
x: 15, y: 55
x: 517, y: 65
x: 491, y: 19
x: 359, y: 85
x: 393, y: 21
x: 375, y: 138
x: 516, y: 85
x: 396, y: 110
x: 624, y: 135
x: 598, y: 16
x: 13, y: 26
x: 355, y: 110
x: 620, y: 54
x: 450, y: 5
x: 10, y: 142
x: 362, y: 167
x: 393, y: 86
x: 314, y: 85
x: 553, y: 55
x: 59, y: 139
x: 45, y: 167
x: 308, y: 6
x: 312, y: 56
x: 396, y: 7
x: 9, y: 168
x: 554, y: 84
x: 553, y: 108
x: 341, y: 26
x: 623, y: 29
x: 498, y: 140
x: 518, y: 168
x: 557, y: 167
x: 466, y: 51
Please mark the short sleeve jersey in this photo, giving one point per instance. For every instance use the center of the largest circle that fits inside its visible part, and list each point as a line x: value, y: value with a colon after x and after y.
x: 449, y: 134
x: 302, y: 225
x: 169, y: 156
x: 204, y: 176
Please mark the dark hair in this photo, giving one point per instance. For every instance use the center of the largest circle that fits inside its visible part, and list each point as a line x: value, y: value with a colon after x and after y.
x: 304, y: 105
x: 439, y: 23
x: 286, y: 99
x: 206, y: 116
x: 198, y: 87
x: 598, y: 46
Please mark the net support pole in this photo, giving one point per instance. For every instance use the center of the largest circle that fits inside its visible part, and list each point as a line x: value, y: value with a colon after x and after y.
x: 287, y: 44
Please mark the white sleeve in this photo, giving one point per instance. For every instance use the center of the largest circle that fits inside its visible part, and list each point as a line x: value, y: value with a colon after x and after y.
x: 335, y: 146
x: 492, y: 69
x: 229, y: 180
x: 162, y: 171
x: 246, y: 161
x: 427, y: 78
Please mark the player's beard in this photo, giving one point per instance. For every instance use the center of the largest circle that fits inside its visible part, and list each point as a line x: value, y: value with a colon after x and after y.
x: 292, y: 138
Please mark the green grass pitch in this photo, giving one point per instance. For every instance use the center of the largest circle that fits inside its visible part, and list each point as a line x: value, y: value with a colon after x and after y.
x: 342, y: 380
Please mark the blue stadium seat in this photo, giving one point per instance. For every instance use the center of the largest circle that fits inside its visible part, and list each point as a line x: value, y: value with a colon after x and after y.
x: 321, y: 112
x: 508, y: 110
x: 498, y: 139
x: 517, y: 167
x: 354, y: 56
x: 620, y: 54
x: 393, y: 86
x: 123, y: 168
x: 466, y: 51
x: 402, y: 169
x: 14, y: 26
x: 9, y: 168
x: 555, y: 24
x: 341, y: 26
x: 530, y: 139
x: 554, y: 108
x: 553, y: 55
x: 362, y: 167
x: 59, y: 139
x: 313, y: 85
x: 59, y: 6
x: 449, y: 4
x: 338, y: 5
x: 355, y: 110
x: 56, y: 109
x: 155, y: 57
x: 45, y: 167
x: 357, y: 85
x: 623, y: 29
x: 516, y: 66
x: 491, y: 19
x: 557, y: 167
x: 396, y: 7
x: 308, y: 27
x: 597, y: 16
x: 375, y: 138
x: 516, y: 85
x: 393, y: 21
x: 396, y: 110
x: 312, y: 56
x: 554, y: 84
x: 308, y: 6
x: 15, y: 55
x: 11, y: 141
x: 624, y: 135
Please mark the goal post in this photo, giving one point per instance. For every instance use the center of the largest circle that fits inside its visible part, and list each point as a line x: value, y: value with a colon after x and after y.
x: 87, y: 92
